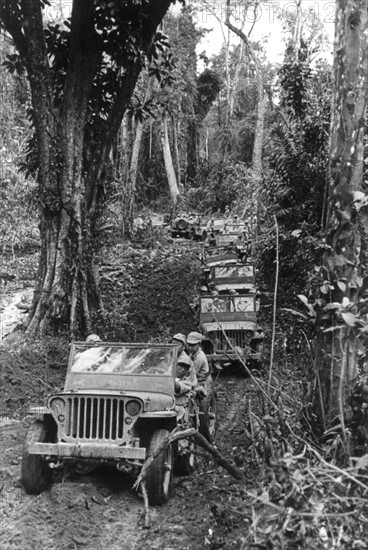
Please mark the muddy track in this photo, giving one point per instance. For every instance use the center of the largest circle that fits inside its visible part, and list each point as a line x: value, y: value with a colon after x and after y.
x: 101, y: 511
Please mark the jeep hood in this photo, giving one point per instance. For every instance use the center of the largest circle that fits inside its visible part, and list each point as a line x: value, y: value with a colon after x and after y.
x: 152, y: 402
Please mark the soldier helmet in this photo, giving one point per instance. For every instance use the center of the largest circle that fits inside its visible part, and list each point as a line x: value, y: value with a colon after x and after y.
x: 184, y: 360
x: 194, y: 338
x: 93, y: 338
x: 180, y: 338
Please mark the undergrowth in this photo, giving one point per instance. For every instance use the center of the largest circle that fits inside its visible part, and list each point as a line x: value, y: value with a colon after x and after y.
x: 295, y: 493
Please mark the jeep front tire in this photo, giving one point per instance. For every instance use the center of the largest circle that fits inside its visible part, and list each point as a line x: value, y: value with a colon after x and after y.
x: 36, y: 475
x: 159, y: 474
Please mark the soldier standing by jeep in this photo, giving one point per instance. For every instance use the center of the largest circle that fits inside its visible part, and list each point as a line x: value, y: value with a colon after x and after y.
x: 199, y: 359
x: 207, y: 405
x: 180, y: 341
x: 185, y: 384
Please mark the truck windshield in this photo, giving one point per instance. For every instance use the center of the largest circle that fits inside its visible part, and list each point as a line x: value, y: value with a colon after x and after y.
x: 122, y: 360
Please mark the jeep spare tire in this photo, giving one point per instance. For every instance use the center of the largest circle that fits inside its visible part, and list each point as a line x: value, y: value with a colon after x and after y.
x: 36, y: 475
x: 182, y: 224
x: 159, y: 474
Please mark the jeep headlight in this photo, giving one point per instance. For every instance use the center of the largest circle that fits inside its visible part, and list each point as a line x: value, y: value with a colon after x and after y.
x: 249, y: 334
x: 57, y: 405
x: 133, y: 407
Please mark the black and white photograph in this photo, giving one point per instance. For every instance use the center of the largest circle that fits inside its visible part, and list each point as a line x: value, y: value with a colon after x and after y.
x: 184, y: 275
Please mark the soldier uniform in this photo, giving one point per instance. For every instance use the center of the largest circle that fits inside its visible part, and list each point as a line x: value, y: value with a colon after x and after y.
x: 185, y: 384
x: 199, y: 359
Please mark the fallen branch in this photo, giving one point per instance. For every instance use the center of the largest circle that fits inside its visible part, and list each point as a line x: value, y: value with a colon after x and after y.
x: 202, y: 442
x: 174, y: 436
x: 147, y: 513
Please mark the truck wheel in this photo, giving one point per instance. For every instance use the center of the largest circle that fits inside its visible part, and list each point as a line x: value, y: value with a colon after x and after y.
x: 208, y: 417
x: 158, y: 478
x: 36, y: 475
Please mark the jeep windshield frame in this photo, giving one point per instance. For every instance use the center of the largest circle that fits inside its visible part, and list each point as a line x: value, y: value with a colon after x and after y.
x: 121, y: 366
x: 227, y: 308
x: 241, y: 276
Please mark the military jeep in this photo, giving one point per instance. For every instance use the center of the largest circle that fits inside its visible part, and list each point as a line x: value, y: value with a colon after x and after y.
x: 239, y: 277
x: 191, y: 226
x: 117, y: 407
x: 231, y: 332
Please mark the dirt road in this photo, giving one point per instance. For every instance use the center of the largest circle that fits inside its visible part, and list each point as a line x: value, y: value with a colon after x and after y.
x: 101, y: 511
x: 147, y: 295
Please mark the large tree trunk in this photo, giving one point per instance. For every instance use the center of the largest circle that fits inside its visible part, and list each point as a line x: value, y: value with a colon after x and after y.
x: 71, y: 160
x: 170, y: 172
x: 61, y: 272
x: 175, y: 129
x: 192, y: 149
x: 259, y: 130
x: 131, y: 183
x: 346, y: 265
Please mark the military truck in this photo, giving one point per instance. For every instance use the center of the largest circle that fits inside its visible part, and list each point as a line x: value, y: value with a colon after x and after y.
x: 117, y: 407
x: 231, y: 331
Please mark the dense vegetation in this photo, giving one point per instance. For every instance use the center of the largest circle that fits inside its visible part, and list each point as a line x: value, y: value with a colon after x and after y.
x: 190, y: 138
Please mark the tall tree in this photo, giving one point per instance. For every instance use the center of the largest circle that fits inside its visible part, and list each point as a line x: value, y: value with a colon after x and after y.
x: 82, y: 76
x: 342, y: 320
x: 262, y: 98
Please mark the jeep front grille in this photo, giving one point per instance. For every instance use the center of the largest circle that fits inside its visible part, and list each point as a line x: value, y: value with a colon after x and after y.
x: 235, y: 337
x: 95, y: 418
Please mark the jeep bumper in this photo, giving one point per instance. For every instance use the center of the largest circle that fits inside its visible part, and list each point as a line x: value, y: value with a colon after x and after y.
x: 87, y: 450
x: 231, y: 357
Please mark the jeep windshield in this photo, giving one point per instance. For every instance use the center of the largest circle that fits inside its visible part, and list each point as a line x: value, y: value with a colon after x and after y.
x: 230, y: 304
x: 234, y: 271
x: 122, y: 359
x: 223, y: 240
x: 227, y: 312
